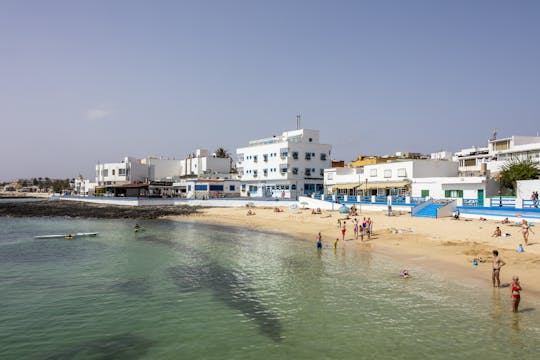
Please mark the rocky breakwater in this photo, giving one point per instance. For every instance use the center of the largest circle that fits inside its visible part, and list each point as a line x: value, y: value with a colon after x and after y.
x: 87, y: 210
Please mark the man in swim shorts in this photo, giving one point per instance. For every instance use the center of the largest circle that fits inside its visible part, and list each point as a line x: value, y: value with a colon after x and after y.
x: 498, y: 263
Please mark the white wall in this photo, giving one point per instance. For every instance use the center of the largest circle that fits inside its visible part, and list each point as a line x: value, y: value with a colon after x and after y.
x: 526, y: 187
x: 438, y: 185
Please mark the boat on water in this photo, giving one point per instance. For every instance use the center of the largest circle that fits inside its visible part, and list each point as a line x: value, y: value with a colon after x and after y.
x: 65, y: 236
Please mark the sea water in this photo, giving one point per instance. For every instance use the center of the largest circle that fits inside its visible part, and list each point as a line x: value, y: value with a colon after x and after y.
x: 179, y: 290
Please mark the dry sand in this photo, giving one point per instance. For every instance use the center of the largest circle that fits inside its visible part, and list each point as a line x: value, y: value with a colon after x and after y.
x: 444, y: 245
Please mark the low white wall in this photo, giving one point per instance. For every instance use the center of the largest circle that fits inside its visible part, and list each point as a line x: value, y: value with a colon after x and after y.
x: 189, y: 202
x: 110, y: 201
x: 326, y: 205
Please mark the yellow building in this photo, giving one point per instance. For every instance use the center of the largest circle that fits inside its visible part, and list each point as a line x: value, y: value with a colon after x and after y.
x: 371, y: 160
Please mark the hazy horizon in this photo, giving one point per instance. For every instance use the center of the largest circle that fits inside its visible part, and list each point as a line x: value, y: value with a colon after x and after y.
x: 89, y: 82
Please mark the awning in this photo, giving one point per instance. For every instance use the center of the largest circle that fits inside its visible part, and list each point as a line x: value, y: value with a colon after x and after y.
x: 384, y: 185
x: 345, y: 186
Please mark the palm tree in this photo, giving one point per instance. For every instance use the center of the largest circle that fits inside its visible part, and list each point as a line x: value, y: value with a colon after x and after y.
x: 222, y: 153
x: 516, y: 170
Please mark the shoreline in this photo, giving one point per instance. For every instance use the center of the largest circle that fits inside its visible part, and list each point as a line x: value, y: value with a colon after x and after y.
x: 442, y: 245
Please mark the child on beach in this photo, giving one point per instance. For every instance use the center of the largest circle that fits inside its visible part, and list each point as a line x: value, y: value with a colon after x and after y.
x: 319, y: 241
x: 343, y: 230
x: 497, y: 232
x: 335, y: 243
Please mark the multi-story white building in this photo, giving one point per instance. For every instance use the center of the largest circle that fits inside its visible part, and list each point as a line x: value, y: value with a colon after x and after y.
x: 489, y: 160
x: 391, y: 178
x: 288, y: 165
x: 129, y: 170
x: 132, y: 170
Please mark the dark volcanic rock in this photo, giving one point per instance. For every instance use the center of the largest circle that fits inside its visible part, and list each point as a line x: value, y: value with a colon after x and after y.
x: 88, y: 210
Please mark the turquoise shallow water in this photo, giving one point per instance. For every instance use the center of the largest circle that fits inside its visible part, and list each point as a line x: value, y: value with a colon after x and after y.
x: 183, y: 290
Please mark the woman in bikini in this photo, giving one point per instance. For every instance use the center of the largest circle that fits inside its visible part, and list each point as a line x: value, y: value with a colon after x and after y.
x: 515, y: 288
x: 525, y: 230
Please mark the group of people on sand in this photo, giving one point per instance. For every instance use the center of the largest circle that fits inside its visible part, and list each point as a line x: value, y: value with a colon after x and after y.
x: 525, y: 230
x: 515, y: 286
x: 360, y: 229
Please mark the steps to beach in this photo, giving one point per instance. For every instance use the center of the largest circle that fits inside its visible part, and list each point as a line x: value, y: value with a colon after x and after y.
x: 429, y: 211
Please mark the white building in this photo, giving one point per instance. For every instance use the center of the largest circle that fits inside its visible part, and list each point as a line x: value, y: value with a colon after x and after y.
x: 489, y: 160
x: 129, y: 170
x: 83, y: 186
x: 391, y: 178
x: 206, y: 188
x: 288, y: 165
x: 132, y: 170
x: 468, y: 188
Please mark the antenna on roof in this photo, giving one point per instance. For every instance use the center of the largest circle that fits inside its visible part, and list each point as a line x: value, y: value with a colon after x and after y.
x: 494, y: 135
x: 298, y: 118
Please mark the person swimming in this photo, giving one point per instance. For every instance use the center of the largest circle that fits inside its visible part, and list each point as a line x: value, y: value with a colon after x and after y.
x: 405, y: 273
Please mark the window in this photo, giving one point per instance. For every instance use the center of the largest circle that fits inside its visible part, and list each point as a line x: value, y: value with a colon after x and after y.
x: 373, y: 172
x: 293, y: 186
x: 113, y: 172
x: 201, y: 187
x: 265, y: 157
x: 388, y: 173
x: 122, y: 172
x: 295, y: 155
x: 254, y: 173
x: 295, y: 171
x: 283, y: 169
x: 254, y: 158
x: 323, y: 157
x: 310, y: 139
x: 232, y: 187
x: 502, y: 145
x: 243, y: 187
x: 470, y: 162
x: 265, y: 172
x: 424, y: 193
x: 308, y: 172
x: 308, y: 156
x: 105, y: 172
x: 402, y: 172
x: 216, y: 187
x: 453, y: 193
x: 321, y: 173
x: 330, y: 176
x: 284, y: 154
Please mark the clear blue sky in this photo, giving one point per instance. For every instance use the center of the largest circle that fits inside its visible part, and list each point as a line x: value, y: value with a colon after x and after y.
x: 89, y: 81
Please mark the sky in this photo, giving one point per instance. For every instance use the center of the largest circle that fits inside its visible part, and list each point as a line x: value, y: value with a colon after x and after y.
x: 83, y: 82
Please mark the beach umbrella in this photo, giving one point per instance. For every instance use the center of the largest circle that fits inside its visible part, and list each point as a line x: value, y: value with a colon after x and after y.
x: 344, y: 209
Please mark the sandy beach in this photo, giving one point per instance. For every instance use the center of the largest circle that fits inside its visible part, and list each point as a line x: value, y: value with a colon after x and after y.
x: 446, y: 245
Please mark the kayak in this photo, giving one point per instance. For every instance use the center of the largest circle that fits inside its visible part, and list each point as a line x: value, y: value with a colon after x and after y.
x: 66, y: 236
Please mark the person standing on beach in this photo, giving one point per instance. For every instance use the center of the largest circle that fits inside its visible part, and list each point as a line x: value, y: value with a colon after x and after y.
x: 355, y: 222
x: 498, y: 263
x: 525, y: 230
x: 515, y: 291
x: 369, y: 228
x: 343, y: 230
x: 319, y: 241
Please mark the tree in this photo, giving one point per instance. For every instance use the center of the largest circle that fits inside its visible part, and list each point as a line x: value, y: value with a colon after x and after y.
x: 222, y: 153
x: 516, y: 170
